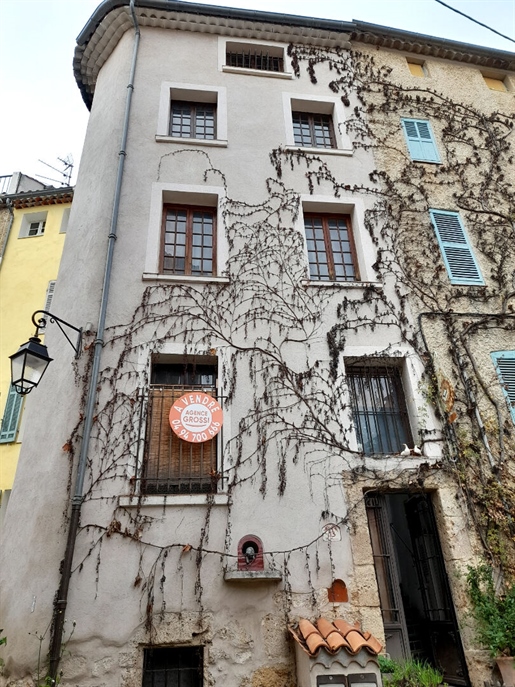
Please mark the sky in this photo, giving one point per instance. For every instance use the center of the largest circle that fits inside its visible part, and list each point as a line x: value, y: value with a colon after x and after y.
x: 43, y: 117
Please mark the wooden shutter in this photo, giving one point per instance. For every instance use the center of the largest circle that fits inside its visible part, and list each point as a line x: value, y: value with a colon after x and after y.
x: 420, y: 140
x: 173, y: 465
x: 11, y: 416
x: 504, y: 362
x: 456, y: 250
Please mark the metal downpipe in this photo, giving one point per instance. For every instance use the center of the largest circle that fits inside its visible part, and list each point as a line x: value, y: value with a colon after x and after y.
x: 61, y: 599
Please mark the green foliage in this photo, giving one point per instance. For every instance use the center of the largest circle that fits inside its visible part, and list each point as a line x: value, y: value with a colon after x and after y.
x: 386, y: 665
x: 411, y: 673
x: 494, y: 613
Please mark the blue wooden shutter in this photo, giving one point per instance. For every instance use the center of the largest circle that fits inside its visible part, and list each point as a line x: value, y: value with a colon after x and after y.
x: 504, y: 362
x: 456, y: 250
x: 420, y: 140
x: 11, y: 417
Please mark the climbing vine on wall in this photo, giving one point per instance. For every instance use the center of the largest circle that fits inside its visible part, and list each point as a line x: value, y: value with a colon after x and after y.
x: 269, y: 329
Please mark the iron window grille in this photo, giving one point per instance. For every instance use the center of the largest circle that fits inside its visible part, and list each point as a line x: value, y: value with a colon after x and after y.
x: 172, y: 465
x: 254, y: 59
x: 173, y: 667
x: 313, y: 130
x: 193, y: 120
x: 331, y: 249
x: 189, y: 241
x: 379, y: 409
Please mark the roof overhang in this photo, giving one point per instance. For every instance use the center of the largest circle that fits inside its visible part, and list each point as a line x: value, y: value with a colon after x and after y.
x: 32, y: 199
x: 112, y: 19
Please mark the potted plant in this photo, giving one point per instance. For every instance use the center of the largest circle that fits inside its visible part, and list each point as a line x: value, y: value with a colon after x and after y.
x: 409, y: 673
x: 495, y: 619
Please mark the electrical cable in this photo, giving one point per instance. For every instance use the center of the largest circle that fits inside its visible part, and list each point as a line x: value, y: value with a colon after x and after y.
x: 475, y: 20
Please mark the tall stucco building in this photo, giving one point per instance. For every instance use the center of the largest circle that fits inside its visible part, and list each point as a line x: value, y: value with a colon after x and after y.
x: 33, y: 220
x: 260, y: 471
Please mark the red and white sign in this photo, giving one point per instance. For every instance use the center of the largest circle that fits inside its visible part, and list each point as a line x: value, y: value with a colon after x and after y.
x: 196, y: 417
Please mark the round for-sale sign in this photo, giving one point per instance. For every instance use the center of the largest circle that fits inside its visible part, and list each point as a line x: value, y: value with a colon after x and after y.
x: 196, y: 417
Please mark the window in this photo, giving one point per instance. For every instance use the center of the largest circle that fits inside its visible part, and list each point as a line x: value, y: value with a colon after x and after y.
x: 36, y: 228
x: 193, y: 120
x: 313, y: 130
x: 457, y: 253
x: 172, y: 465
x: 194, y: 112
x: 504, y: 362
x: 173, y: 667
x: 11, y: 418
x: 379, y: 409
x: 420, y: 140
x: 32, y: 224
x: 251, y: 56
x: 416, y: 68
x: 331, y: 251
x: 188, y: 241
x: 495, y: 84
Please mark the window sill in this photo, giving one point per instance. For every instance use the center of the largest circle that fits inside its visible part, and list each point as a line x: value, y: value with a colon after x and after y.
x: 173, y: 500
x: 343, y: 284
x: 257, y: 72
x: 184, y: 279
x: 427, y: 162
x: 320, y: 151
x: 253, y: 576
x: 217, y: 143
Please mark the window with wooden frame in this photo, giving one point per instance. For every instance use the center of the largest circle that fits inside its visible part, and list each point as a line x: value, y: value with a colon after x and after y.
x: 189, y: 241
x: 181, y: 666
x: 193, y: 120
x: 379, y: 408
x: 172, y: 465
x: 331, y: 249
x: 313, y: 130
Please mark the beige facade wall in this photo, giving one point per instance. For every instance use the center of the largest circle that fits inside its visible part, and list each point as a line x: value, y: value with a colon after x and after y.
x: 150, y: 570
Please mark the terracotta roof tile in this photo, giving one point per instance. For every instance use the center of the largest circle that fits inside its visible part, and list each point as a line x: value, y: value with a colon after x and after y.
x: 333, y: 636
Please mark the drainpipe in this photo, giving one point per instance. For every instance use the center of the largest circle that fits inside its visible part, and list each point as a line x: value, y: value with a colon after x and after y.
x: 61, y: 598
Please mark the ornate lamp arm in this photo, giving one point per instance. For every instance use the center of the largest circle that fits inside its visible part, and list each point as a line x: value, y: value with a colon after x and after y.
x: 41, y: 322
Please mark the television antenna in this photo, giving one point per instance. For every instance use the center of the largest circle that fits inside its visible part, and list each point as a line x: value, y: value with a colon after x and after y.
x: 65, y: 173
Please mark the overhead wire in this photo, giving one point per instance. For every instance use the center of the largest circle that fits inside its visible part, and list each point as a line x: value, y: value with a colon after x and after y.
x: 440, y: 2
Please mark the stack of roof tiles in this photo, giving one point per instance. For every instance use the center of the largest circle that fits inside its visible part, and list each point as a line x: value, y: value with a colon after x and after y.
x: 333, y: 636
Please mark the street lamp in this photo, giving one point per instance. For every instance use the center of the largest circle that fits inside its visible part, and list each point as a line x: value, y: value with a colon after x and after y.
x: 29, y: 363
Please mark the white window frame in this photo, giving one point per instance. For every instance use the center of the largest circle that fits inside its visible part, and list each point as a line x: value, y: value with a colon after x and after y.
x: 294, y: 102
x: 194, y: 93
x: 183, y: 194
x: 253, y: 44
x: 366, y: 253
x: 32, y: 218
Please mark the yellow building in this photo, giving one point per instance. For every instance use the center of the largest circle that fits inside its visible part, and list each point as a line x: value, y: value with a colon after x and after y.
x: 32, y: 239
